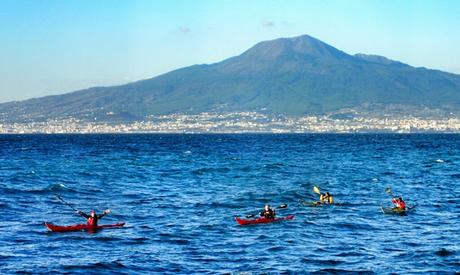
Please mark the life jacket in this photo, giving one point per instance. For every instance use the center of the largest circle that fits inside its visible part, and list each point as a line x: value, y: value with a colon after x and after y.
x: 326, y: 199
x: 92, y: 221
x: 399, y: 203
x: 269, y: 214
x: 402, y: 205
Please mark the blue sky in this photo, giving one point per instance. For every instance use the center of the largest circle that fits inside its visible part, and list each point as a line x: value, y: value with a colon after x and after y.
x: 53, y: 46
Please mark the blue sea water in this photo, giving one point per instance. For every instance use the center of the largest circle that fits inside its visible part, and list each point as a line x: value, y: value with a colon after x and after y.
x: 179, y: 194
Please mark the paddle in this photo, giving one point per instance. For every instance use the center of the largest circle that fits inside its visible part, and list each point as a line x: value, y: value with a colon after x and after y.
x: 316, y: 190
x: 281, y: 206
x: 389, y: 191
x: 107, y: 211
x: 66, y: 203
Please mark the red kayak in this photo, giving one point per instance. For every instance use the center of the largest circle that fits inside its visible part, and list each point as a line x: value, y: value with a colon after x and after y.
x: 79, y: 227
x: 262, y: 220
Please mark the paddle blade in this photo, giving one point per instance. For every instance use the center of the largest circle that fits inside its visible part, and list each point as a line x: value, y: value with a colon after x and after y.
x: 388, y: 191
x: 283, y: 206
x: 316, y: 190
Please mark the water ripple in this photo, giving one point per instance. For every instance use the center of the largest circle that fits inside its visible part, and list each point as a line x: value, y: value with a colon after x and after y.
x: 180, y: 193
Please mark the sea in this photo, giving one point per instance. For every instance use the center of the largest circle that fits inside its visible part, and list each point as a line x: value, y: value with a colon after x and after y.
x: 179, y: 195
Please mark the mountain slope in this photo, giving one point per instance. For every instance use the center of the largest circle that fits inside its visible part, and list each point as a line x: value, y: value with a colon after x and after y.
x: 293, y: 76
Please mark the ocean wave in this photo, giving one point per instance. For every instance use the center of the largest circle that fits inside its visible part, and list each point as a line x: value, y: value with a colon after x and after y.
x: 97, y: 266
x: 210, y: 170
x: 50, y: 189
x: 181, y: 208
x: 341, y: 271
x: 443, y: 252
x: 273, y: 166
x: 135, y: 241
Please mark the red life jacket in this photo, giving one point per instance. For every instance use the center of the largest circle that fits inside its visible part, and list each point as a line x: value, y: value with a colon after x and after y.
x: 399, y: 203
x: 92, y: 221
x: 402, y: 205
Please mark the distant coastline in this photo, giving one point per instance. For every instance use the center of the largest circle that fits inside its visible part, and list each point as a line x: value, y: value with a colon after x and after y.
x: 242, y: 122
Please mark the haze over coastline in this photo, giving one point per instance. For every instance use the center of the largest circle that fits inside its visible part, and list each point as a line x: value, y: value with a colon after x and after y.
x: 53, y: 47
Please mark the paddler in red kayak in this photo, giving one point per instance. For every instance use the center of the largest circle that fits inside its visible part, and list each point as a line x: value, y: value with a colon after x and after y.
x: 268, y: 212
x: 399, y: 203
x: 92, y: 218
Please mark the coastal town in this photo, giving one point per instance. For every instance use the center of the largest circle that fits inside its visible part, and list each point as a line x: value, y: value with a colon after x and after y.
x: 239, y: 122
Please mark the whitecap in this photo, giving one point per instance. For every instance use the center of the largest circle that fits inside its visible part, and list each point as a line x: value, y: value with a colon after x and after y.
x: 56, y: 186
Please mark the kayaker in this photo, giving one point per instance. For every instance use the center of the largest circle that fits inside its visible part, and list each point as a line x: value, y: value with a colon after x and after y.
x: 326, y: 198
x: 268, y: 212
x: 92, y: 218
x: 399, y: 203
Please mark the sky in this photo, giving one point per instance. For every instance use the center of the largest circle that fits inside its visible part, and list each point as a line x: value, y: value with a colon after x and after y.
x: 52, y: 47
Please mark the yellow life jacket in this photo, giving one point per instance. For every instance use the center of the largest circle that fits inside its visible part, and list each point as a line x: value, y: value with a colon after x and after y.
x: 324, y: 198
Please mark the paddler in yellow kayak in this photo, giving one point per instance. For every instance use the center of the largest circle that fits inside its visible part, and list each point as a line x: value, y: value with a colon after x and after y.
x: 325, y: 198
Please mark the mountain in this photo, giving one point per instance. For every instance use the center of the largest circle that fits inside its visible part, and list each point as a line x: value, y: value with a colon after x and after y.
x: 292, y: 76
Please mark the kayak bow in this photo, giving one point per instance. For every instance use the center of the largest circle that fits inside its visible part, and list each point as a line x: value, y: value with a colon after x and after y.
x: 79, y: 227
x: 262, y: 220
x: 313, y: 203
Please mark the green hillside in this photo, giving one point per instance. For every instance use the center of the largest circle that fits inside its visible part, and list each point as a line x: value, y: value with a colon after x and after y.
x: 293, y: 76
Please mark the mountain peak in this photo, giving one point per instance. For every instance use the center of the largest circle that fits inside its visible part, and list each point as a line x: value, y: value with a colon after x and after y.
x: 300, y: 46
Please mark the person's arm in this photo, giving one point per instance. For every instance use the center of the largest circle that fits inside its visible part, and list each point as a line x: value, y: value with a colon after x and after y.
x: 103, y: 213
x: 82, y: 214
